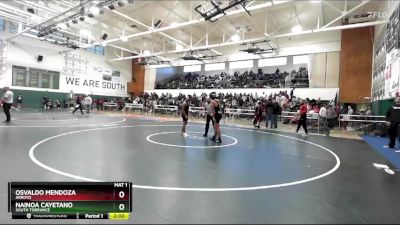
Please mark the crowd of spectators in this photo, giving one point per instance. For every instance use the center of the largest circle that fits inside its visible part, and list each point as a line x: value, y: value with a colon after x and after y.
x: 287, y: 101
x: 274, y: 103
x: 247, y: 79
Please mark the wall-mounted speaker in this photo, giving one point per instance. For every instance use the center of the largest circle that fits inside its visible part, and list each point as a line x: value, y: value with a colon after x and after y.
x: 40, y: 58
x: 104, y: 37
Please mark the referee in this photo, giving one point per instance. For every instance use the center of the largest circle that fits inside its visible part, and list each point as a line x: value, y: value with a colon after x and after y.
x: 207, y: 107
x: 393, y: 121
x: 7, y: 101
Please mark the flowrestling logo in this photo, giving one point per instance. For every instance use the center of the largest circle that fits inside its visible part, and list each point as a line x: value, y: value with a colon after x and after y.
x: 377, y: 15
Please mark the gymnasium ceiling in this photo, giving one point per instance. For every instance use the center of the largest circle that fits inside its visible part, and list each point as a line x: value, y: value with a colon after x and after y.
x: 182, y: 28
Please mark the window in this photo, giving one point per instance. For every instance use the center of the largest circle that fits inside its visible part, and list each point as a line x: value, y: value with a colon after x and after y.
x: 36, y: 78
x: 281, y: 61
x: 45, y: 80
x: 96, y: 49
x: 214, y: 66
x: 56, y: 79
x: 301, y: 59
x: 16, y: 27
x: 192, y: 68
x: 91, y: 49
x: 241, y: 64
x: 99, y: 50
x: 13, y: 27
x: 19, y: 76
x: 2, y: 24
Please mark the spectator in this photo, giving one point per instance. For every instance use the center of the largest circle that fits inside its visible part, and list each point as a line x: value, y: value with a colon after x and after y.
x: 303, y: 117
x: 258, y: 112
x: 247, y: 79
x: 316, y: 109
x: 58, y: 104
x: 291, y: 94
x: 368, y: 112
x: 349, y: 113
x: 78, y: 105
x: 268, y: 111
x: 323, y: 116
x: 100, y: 104
x: 393, y: 122
x: 7, y: 101
x: 88, y: 104
x: 121, y: 104
x: 330, y: 116
x: 45, y: 101
x: 49, y: 104
x: 19, y: 101
x: 282, y: 100
x: 276, y: 109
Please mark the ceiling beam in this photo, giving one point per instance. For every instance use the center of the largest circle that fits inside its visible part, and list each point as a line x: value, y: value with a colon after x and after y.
x: 125, y: 49
x: 197, y: 21
x: 17, y: 11
x: 171, y: 11
x: 332, y: 6
x: 143, y: 25
x: 342, y: 27
x: 345, y: 13
x: 47, y: 20
x: 176, y: 14
x: 321, y: 19
x: 162, y: 33
x: 25, y: 20
x: 12, y: 17
x: 41, y: 7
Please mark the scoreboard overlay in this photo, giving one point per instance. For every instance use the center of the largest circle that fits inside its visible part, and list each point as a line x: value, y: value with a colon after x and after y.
x: 70, y: 200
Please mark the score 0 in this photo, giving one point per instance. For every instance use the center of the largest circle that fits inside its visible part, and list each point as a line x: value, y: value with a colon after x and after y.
x: 122, y: 196
x: 122, y: 191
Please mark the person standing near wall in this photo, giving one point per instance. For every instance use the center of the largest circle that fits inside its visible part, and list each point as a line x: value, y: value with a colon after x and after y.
x: 45, y: 101
x: 58, y: 104
x: 349, y: 113
x: 258, y: 114
x: 78, y: 104
x: 88, y: 104
x: 276, y: 110
x: 19, y: 101
x: 393, y: 122
x: 323, y: 116
x: 291, y: 94
x: 330, y: 116
x: 7, y: 101
x: 185, y: 116
x: 303, y: 117
x: 268, y: 112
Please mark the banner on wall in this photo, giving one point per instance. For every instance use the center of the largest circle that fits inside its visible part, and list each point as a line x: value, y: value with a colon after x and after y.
x: 3, y: 62
x: 76, y: 83
x: 102, y: 85
x: 97, y: 80
x: 392, y: 73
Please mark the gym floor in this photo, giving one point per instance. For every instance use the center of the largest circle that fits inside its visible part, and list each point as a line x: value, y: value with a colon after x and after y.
x: 253, y: 176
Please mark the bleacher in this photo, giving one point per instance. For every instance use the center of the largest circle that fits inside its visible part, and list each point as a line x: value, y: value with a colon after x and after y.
x: 166, y: 108
x: 110, y: 105
x: 131, y: 106
x: 197, y: 111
